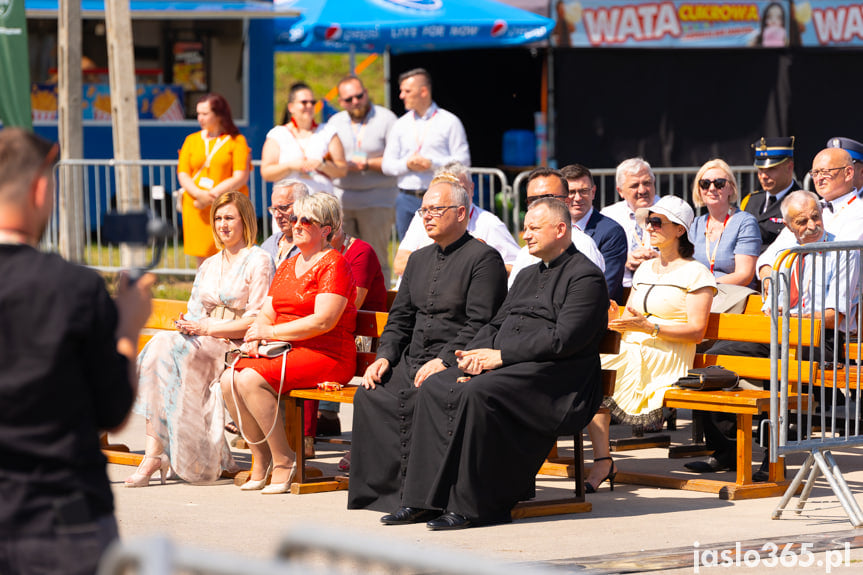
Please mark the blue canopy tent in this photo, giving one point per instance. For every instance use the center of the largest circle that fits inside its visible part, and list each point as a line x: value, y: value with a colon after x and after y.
x: 406, y: 25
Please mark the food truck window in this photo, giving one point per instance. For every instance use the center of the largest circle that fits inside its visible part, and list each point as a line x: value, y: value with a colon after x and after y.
x: 173, y: 68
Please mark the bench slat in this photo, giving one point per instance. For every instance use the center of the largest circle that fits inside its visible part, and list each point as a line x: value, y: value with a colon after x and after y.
x: 756, y: 328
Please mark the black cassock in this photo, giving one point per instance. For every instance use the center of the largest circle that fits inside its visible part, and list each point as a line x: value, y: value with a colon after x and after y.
x: 445, y: 297
x: 477, y: 446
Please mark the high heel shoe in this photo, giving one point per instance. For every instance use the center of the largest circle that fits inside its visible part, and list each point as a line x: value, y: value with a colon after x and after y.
x: 276, y: 488
x: 257, y: 484
x: 142, y: 479
x: 612, y: 473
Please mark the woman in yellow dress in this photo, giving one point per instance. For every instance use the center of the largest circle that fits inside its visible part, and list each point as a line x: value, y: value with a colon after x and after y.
x: 213, y: 161
x: 665, y: 317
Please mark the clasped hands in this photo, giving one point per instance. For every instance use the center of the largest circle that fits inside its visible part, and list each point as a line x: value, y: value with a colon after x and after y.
x: 634, y: 320
x: 417, y: 163
x: 256, y: 333
x: 639, y: 255
x: 187, y: 327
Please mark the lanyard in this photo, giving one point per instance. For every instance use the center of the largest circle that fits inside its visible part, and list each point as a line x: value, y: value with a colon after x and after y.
x: 840, y: 210
x: 712, y: 257
x: 207, y: 153
x: 358, y: 133
x: 295, y: 132
x: 420, y: 138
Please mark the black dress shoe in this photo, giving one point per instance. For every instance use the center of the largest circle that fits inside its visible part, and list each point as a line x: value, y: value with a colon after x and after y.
x: 709, y: 466
x: 449, y: 520
x: 408, y: 515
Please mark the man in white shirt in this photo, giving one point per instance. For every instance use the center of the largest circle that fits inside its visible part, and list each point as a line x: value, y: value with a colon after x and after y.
x: 368, y: 196
x: 425, y: 138
x: 548, y: 183
x: 482, y: 224
x: 833, y: 175
x: 636, y: 185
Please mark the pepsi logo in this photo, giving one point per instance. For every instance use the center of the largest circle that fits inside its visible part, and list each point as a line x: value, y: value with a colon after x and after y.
x: 499, y: 28
x: 334, y: 32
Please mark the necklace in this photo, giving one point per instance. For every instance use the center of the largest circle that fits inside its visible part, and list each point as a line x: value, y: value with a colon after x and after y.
x: 711, y: 257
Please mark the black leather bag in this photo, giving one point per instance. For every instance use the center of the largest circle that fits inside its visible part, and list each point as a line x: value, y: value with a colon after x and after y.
x: 710, y: 378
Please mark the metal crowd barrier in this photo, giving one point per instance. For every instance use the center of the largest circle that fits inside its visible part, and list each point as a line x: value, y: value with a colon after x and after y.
x: 669, y: 181
x: 310, y: 550
x: 832, y: 265
x: 87, y: 190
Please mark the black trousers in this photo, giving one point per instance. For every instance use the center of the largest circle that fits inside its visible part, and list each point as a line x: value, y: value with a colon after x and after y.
x: 720, y: 429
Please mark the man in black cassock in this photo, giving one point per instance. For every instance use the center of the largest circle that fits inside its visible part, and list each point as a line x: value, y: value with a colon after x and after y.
x: 533, y: 373
x: 449, y: 290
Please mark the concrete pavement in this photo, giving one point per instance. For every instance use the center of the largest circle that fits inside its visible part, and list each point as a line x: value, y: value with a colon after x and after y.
x: 632, y: 529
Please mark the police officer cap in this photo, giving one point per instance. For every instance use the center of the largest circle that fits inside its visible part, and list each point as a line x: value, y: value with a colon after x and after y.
x: 771, y: 152
x: 853, y: 147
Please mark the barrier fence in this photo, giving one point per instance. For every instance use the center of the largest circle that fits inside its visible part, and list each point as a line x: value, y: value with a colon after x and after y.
x: 87, y: 190
x: 310, y: 550
x: 669, y: 181
x: 826, y: 415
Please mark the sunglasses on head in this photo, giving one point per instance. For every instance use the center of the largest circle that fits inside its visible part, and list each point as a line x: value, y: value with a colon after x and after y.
x: 304, y: 221
x: 704, y: 184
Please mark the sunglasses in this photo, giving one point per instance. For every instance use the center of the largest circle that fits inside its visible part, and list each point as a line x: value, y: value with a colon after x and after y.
x: 304, y: 221
x: 351, y: 99
x: 283, y: 209
x: 655, y: 222
x: 718, y: 182
x: 307, y: 102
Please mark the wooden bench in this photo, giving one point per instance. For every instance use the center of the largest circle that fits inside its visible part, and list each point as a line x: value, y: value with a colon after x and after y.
x: 311, y: 480
x: 743, y: 403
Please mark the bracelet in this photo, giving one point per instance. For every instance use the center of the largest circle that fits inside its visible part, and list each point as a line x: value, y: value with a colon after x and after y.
x: 655, y: 331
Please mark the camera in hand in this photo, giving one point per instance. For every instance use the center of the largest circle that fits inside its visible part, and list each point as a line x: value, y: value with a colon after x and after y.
x: 137, y: 229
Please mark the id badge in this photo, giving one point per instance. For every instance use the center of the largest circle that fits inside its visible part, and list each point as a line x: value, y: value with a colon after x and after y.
x: 360, y: 158
x: 206, y: 183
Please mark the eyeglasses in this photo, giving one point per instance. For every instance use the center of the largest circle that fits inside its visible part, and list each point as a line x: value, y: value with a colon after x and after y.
x: 304, y: 221
x: 433, y: 211
x: 718, y: 182
x: 655, y: 222
x: 307, y: 102
x: 283, y: 209
x: 826, y: 172
x: 580, y: 192
x: 355, y: 98
x: 532, y: 199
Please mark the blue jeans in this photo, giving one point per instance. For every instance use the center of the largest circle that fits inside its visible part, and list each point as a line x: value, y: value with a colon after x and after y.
x: 406, y: 206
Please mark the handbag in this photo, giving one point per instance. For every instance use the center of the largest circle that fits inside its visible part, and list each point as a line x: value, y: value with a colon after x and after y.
x: 710, y: 378
x: 270, y: 350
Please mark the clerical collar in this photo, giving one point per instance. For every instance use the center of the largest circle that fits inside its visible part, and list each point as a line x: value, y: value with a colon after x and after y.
x: 456, y: 244
x: 559, y: 260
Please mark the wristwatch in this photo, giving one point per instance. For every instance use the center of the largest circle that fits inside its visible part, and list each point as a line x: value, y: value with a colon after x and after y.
x: 655, y: 331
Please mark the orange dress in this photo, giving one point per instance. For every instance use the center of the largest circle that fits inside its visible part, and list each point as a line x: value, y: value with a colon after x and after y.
x: 232, y: 154
x: 331, y: 356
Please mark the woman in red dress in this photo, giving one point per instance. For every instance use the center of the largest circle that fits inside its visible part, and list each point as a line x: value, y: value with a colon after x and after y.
x: 310, y: 305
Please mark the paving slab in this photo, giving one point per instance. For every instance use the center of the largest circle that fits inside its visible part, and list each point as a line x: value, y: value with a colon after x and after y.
x: 631, y: 529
